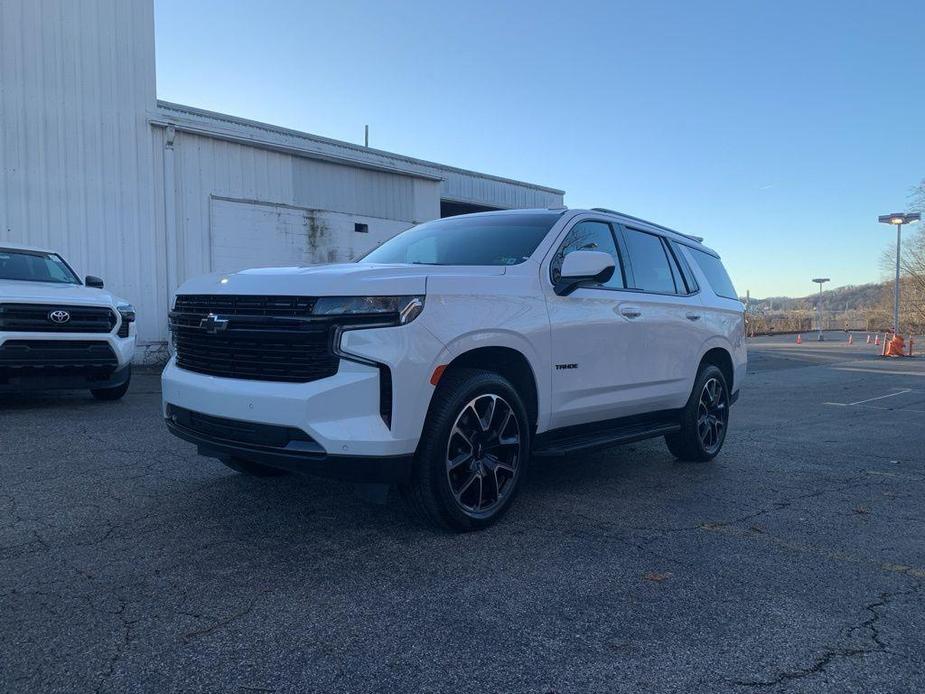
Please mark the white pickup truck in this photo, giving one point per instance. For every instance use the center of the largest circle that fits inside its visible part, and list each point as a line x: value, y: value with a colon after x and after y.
x: 57, y: 331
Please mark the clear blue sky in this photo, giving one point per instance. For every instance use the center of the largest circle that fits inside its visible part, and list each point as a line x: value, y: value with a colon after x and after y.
x: 776, y: 130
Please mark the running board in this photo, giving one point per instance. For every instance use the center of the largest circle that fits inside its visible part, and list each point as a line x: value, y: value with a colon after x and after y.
x: 573, y: 439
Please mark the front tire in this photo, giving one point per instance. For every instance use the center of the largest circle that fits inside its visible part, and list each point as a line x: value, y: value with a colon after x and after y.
x: 473, y: 454
x: 704, y: 420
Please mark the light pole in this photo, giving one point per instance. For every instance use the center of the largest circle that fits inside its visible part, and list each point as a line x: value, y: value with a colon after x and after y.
x: 820, y: 281
x: 898, y: 219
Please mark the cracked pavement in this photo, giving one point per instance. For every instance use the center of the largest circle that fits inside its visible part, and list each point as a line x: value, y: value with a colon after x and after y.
x: 792, y: 563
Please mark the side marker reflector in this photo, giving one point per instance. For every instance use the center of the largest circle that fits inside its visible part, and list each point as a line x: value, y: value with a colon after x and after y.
x: 438, y: 373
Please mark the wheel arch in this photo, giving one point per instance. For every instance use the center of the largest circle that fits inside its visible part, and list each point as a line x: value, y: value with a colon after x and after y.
x: 721, y: 358
x: 508, y: 362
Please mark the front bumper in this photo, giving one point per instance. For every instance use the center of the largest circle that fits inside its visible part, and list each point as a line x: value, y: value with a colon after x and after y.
x: 47, y: 361
x: 341, y: 412
x: 274, y: 446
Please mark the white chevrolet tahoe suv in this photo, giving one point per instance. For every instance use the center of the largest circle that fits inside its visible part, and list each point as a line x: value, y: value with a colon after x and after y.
x: 452, y: 353
x: 59, y: 332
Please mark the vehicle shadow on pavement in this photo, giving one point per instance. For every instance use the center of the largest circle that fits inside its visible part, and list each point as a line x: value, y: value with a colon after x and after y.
x: 49, y: 401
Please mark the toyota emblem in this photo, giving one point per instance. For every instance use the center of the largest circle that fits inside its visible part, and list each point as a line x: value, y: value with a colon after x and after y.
x: 59, y: 316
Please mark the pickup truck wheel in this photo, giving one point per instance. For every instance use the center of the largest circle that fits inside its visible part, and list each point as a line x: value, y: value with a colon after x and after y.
x: 112, y: 393
x: 473, y: 454
x: 248, y: 467
x: 704, y: 420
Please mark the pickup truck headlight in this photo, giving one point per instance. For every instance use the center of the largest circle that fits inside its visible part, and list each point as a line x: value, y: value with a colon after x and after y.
x: 127, y: 311
x: 398, y: 310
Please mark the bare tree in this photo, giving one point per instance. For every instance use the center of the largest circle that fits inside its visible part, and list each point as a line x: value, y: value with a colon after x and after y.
x: 911, y: 268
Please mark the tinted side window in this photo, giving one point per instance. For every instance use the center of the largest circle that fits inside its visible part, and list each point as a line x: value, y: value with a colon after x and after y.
x: 716, y: 274
x: 651, y: 268
x: 589, y: 236
x: 686, y: 273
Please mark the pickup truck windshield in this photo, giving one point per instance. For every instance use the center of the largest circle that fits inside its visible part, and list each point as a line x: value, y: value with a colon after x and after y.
x: 493, y: 239
x: 32, y: 266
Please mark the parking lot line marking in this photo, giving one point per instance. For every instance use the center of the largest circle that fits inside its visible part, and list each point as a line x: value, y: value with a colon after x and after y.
x: 901, y: 391
x: 879, y: 371
x: 889, y: 409
x: 881, y: 397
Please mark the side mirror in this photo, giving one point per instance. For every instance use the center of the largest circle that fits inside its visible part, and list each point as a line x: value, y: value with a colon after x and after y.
x: 584, y: 267
x: 94, y: 282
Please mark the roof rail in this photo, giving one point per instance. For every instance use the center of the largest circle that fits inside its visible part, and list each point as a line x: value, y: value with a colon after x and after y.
x: 698, y: 239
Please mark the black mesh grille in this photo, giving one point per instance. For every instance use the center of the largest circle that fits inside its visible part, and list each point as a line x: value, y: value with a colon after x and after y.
x: 26, y: 357
x: 265, y: 338
x: 36, y: 318
x: 241, y: 305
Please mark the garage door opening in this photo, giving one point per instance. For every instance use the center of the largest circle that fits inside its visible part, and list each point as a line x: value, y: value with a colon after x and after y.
x: 450, y: 208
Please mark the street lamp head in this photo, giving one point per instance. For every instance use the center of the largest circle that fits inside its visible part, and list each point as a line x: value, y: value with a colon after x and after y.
x: 899, y: 218
x: 820, y: 280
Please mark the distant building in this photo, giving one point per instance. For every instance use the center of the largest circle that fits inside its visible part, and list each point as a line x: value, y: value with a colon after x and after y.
x: 147, y: 193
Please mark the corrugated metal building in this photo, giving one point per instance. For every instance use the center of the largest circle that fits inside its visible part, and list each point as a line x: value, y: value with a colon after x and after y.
x: 147, y: 193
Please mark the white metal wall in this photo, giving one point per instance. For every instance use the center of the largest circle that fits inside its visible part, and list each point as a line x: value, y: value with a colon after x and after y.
x: 252, y: 234
x: 124, y: 186
x: 206, y: 168
x: 455, y: 184
x: 76, y: 168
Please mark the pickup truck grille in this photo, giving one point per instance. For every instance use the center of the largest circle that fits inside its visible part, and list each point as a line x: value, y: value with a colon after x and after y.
x: 55, y: 357
x: 262, y: 338
x: 243, y: 305
x: 36, y: 318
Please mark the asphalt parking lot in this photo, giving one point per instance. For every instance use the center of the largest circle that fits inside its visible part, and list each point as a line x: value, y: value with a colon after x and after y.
x: 794, y: 562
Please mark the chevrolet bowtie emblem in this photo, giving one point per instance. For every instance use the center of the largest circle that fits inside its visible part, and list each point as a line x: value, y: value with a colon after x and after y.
x: 212, y: 324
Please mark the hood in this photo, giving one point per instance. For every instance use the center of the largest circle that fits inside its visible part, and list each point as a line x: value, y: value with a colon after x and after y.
x: 26, y: 292
x: 346, y: 279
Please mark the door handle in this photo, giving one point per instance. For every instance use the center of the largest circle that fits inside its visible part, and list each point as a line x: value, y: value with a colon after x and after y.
x: 630, y: 311
x: 692, y: 316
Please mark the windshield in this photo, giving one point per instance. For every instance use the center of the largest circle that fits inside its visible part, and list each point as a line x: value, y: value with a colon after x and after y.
x: 32, y: 266
x: 502, y: 239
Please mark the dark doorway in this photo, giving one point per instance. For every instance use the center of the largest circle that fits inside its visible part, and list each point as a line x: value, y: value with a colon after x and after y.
x: 449, y: 208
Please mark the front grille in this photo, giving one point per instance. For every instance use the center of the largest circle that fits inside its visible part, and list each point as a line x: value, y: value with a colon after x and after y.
x: 36, y: 318
x: 55, y: 357
x: 242, y: 305
x: 265, y: 338
x: 273, y: 356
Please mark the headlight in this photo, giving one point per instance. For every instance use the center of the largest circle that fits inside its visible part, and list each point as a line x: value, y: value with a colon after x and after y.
x: 127, y: 311
x: 395, y: 309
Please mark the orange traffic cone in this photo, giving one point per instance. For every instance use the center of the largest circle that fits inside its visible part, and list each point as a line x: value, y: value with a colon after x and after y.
x: 896, y: 348
x: 886, y: 346
x: 877, y: 341
x: 799, y: 339
x: 851, y: 339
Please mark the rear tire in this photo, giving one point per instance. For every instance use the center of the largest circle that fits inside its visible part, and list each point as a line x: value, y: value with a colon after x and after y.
x: 473, y: 454
x: 249, y: 467
x: 704, y: 420
x: 109, y: 394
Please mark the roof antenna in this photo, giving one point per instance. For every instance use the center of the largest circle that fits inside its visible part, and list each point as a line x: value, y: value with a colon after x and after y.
x: 366, y: 138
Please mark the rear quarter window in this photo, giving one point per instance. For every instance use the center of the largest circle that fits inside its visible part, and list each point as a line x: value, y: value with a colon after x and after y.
x: 716, y: 274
